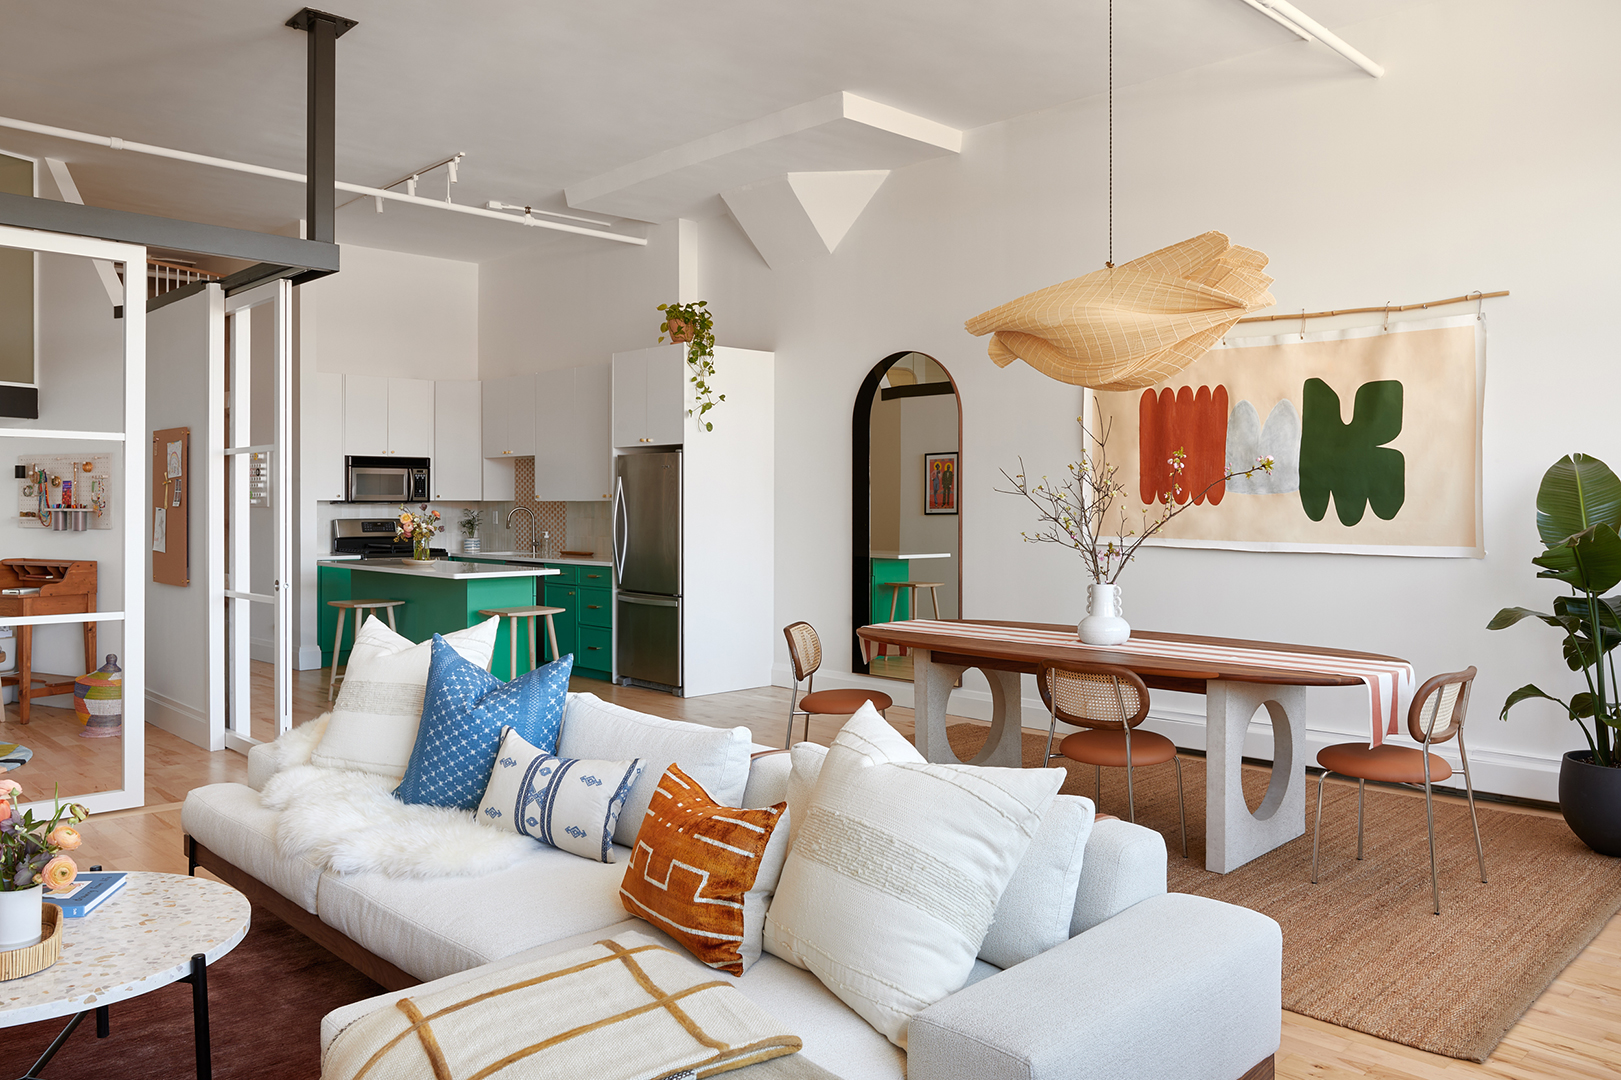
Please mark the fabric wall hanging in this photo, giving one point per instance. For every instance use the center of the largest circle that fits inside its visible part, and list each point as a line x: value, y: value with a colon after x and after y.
x: 1375, y: 434
x: 1134, y: 325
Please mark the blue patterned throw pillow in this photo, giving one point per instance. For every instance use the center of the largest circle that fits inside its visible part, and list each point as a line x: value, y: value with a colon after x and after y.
x: 567, y: 803
x: 463, y: 713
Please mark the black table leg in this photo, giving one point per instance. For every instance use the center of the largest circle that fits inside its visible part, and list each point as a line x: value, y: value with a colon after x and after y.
x: 56, y: 1044
x: 199, y: 1016
x: 101, y: 1022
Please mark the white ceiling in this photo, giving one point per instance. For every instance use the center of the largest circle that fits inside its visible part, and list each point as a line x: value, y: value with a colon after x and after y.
x: 543, y: 95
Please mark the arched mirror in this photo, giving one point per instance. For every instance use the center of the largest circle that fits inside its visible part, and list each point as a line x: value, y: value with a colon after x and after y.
x: 906, y: 543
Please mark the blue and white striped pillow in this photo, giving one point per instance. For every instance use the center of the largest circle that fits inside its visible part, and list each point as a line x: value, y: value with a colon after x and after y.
x: 567, y: 803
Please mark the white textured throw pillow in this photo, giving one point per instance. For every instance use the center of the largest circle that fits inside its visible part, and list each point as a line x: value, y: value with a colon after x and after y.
x: 374, y: 723
x: 894, y: 875
x: 1035, y: 910
x: 565, y: 803
x: 718, y: 758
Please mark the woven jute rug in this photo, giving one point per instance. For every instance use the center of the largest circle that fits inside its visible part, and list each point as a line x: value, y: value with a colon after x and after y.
x: 1363, y: 949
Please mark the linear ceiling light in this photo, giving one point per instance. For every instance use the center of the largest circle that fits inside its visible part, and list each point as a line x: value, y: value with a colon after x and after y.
x: 283, y: 174
x: 1306, y: 28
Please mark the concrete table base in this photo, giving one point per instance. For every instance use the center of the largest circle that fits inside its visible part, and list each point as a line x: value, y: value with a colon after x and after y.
x: 1234, y: 835
x: 931, y: 687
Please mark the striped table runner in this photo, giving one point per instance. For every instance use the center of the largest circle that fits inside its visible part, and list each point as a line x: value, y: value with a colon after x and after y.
x: 1390, y: 683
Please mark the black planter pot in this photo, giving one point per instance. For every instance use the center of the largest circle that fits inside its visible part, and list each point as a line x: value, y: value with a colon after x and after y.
x: 1590, y: 799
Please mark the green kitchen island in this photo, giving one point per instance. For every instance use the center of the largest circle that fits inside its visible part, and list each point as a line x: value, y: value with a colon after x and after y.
x: 442, y: 596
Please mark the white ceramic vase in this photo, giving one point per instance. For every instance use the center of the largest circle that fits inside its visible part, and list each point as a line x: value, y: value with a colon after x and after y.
x: 20, y: 913
x: 1103, y: 624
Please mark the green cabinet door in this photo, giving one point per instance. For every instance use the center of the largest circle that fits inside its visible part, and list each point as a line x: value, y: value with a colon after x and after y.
x: 332, y: 583
x: 565, y: 596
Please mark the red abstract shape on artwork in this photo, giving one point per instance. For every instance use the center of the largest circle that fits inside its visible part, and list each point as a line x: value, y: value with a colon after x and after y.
x: 1193, y: 422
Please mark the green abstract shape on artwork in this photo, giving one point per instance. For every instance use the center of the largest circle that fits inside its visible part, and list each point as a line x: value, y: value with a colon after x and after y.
x: 1349, y: 461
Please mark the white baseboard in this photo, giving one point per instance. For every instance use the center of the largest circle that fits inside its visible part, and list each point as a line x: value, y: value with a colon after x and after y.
x: 1498, y: 772
x: 262, y: 650
x: 183, y: 721
x: 308, y: 658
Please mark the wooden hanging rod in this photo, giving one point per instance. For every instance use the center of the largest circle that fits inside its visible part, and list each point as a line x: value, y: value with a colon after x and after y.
x: 1371, y: 310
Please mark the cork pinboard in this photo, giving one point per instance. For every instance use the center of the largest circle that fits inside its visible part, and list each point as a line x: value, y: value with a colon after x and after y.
x: 171, y: 503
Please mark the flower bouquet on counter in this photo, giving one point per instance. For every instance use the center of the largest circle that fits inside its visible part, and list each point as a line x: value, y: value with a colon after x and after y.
x: 418, y: 527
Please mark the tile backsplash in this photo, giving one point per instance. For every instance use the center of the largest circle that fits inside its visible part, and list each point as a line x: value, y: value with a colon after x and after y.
x: 550, y: 517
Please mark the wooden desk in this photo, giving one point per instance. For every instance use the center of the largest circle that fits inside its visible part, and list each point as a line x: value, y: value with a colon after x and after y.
x: 66, y: 586
x: 1233, y: 689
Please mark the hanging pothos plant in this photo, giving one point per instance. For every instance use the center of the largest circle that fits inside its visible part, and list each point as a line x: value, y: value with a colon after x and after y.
x: 691, y: 323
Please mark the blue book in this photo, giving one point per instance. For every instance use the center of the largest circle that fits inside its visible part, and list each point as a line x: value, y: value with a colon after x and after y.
x: 88, y: 892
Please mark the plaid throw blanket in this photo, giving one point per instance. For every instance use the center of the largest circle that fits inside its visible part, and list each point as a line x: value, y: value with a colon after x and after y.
x: 623, y: 1009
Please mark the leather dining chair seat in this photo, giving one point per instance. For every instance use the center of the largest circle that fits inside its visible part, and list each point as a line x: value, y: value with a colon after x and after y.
x: 1108, y: 748
x: 843, y: 702
x: 1386, y: 764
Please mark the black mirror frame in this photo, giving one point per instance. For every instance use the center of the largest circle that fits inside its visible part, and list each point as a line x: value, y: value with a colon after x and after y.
x: 861, y: 500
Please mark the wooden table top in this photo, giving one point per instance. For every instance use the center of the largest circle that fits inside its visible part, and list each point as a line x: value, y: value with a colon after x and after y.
x: 1160, y: 672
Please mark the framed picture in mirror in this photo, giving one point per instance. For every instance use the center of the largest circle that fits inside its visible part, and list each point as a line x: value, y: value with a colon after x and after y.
x: 940, y: 483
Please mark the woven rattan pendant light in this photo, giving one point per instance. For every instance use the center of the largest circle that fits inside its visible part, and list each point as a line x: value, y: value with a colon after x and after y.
x: 1135, y: 325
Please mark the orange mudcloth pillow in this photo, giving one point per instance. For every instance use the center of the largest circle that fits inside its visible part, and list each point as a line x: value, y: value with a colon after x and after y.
x: 702, y: 872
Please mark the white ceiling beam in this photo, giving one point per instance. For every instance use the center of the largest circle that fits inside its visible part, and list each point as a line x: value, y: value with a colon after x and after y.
x: 104, y: 269
x: 801, y: 215
x: 838, y: 129
x: 1307, y: 28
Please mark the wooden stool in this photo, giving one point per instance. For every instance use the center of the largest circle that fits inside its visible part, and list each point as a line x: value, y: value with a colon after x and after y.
x: 894, y: 597
x: 530, y: 613
x: 359, y: 607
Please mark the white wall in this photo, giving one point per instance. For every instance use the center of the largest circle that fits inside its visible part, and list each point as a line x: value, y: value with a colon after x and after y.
x: 385, y: 313
x: 184, y: 629
x: 1477, y: 162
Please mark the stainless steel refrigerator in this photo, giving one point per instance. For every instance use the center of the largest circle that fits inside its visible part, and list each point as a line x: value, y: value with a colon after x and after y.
x: 647, y: 559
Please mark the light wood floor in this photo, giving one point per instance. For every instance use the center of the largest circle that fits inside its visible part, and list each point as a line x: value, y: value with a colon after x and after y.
x: 1573, y: 1030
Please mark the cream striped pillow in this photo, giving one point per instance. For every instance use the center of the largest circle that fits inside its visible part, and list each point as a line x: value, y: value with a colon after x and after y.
x: 895, y: 872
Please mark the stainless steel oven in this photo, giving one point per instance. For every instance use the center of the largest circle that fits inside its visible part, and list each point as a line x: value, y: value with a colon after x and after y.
x: 385, y: 479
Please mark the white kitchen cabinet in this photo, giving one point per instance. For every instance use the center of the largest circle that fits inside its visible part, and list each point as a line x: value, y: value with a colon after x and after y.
x: 322, y: 438
x: 509, y: 417
x: 410, y: 417
x: 649, y: 397
x: 458, y: 468
x: 383, y: 416
x: 592, y: 461
x: 365, y: 415
x: 573, y: 454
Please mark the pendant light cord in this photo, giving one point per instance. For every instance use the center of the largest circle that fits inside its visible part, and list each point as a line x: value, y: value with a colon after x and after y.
x: 1110, y: 262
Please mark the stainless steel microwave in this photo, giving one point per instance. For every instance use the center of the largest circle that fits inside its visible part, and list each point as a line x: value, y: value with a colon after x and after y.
x: 385, y: 479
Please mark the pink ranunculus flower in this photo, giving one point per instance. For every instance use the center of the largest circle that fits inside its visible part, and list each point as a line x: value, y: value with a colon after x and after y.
x: 8, y: 787
x: 59, y: 873
x: 64, y: 838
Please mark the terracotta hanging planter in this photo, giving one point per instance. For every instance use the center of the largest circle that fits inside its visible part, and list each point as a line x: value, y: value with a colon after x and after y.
x: 680, y: 331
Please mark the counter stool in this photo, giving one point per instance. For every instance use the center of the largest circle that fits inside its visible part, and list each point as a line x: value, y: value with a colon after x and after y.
x: 359, y: 607
x: 897, y: 586
x: 530, y: 613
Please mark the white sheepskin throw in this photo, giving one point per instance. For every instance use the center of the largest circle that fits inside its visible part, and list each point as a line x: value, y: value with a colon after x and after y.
x: 298, y: 745
x: 351, y: 822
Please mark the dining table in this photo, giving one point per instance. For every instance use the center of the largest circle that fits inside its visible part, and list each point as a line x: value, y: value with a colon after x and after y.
x: 1237, y: 677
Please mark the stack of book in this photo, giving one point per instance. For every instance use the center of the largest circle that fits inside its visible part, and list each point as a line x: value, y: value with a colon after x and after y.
x: 88, y: 892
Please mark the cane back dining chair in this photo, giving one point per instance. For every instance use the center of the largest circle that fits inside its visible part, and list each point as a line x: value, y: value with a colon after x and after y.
x: 1109, y: 702
x: 805, y: 651
x: 1435, y: 716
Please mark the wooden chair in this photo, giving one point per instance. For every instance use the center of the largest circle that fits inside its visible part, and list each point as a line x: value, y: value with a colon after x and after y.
x: 805, y: 650
x: 359, y: 607
x: 513, y: 615
x: 1109, y: 702
x: 1445, y: 698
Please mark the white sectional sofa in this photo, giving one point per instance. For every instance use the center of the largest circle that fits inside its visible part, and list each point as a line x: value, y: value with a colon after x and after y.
x: 1150, y: 984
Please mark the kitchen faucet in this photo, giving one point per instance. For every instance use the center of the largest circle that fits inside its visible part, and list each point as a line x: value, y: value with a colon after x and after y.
x: 534, y: 532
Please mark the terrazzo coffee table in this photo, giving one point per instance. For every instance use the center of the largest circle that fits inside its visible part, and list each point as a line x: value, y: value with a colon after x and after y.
x: 158, y: 929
